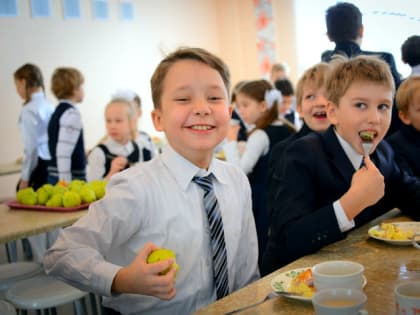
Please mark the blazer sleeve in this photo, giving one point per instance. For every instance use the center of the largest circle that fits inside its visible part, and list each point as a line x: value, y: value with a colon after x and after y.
x: 301, y: 223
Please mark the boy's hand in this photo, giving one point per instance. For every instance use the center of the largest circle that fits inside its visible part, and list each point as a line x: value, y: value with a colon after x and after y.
x: 367, y: 187
x: 142, y: 278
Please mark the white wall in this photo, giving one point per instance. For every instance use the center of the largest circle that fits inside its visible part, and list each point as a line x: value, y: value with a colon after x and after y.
x: 387, y: 24
x: 113, y: 54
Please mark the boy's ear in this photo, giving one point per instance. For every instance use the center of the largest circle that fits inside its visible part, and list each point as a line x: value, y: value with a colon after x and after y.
x: 332, y: 112
x: 157, y: 119
x: 404, y: 118
x: 230, y: 109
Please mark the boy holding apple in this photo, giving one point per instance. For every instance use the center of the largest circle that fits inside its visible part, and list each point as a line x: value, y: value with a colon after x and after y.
x: 159, y: 203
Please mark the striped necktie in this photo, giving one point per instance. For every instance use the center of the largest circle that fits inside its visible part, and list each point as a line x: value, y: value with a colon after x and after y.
x: 217, y: 236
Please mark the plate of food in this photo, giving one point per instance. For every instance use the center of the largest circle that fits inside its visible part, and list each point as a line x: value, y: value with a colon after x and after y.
x: 295, y: 281
x: 298, y: 281
x: 396, y: 233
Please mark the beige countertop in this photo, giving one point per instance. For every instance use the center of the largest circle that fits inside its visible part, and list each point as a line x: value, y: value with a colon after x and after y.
x: 385, y: 265
x: 16, y: 223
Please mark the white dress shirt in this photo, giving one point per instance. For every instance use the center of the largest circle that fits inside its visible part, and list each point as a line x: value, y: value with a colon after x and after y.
x: 356, y: 159
x: 256, y: 146
x: 157, y: 202
x: 96, y: 158
x: 70, y: 128
x: 33, y: 124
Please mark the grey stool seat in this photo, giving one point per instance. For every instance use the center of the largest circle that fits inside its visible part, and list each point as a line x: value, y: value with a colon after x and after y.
x: 13, y: 272
x: 42, y: 292
x: 6, y: 308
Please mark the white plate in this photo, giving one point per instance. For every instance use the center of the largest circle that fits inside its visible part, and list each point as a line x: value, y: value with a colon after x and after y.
x: 282, y: 282
x: 404, y: 226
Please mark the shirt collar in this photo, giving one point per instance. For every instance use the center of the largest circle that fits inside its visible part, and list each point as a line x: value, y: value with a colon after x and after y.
x: 184, y: 171
x: 66, y: 101
x: 354, y: 157
x: 415, y: 70
x: 128, y: 146
x: 37, y: 95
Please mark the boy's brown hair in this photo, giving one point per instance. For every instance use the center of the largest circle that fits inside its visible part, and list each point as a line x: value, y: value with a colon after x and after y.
x: 405, y: 93
x: 64, y: 81
x: 315, y: 76
x: 186, y: 53
x: 345, y: 71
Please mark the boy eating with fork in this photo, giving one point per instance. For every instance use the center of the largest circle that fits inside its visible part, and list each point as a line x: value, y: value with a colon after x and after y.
x: 323, y: 192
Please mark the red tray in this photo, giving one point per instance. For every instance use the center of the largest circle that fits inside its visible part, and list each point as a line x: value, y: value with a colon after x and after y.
x: 14, y: 204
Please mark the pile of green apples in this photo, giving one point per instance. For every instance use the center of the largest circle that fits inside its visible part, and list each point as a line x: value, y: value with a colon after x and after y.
x: 63, y: 194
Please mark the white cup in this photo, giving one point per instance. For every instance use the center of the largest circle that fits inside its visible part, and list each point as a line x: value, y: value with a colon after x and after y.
x: 416, y: 240
x: 338, y: 274
x: 339, y: 302
x: 407, y: 298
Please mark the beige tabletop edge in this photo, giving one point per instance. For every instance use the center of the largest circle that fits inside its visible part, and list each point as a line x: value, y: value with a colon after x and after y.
x: 16, y: 223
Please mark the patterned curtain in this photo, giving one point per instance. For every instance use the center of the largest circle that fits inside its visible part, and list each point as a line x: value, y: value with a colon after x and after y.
x: 265, y: 35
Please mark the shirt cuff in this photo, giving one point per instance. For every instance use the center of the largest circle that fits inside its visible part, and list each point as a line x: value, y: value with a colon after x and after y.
x: 343, y: 222
x: 104, y: 276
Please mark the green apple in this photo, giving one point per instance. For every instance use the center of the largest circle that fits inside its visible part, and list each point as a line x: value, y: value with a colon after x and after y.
x: 98, y: 187
x: 71, y: 199
x: 87, y: 194
x: 162, y: 254
x: 27, y: 196
x: 56, y: 200
x: 43, y: 196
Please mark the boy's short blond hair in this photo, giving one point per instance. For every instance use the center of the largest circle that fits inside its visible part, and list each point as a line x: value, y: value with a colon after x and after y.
x: 65, y: 81
x: 315, y: 76
x: 345, y: 71
x: 405, y: 93
x: 186, y: 53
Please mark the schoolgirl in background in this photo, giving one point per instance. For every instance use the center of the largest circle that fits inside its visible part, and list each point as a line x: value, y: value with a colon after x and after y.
x: 258, y: 104
x: 33, y: 124
x: 118, y: 150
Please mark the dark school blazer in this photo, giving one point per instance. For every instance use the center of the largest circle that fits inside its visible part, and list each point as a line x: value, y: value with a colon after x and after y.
x: 315, y: 173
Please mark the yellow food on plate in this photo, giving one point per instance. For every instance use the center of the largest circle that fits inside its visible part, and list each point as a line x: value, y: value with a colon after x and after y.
x: 392, y: 232
x: 303, y: 284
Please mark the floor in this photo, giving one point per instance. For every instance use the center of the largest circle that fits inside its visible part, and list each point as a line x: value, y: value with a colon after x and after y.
x: 62, y: 310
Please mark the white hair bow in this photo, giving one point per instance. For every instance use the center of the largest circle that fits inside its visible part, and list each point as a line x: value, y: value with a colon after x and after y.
x: 124, y: 94
x: 271, y: 96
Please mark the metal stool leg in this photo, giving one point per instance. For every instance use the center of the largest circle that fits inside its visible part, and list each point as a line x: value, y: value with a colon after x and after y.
x: 11, y: 251
x: 92, y: 299
x: 80, y: 307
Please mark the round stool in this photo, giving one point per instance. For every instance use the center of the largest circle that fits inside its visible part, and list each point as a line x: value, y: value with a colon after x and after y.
x: 13, y: 272
x: 44, y: 292
x: 6, y: 308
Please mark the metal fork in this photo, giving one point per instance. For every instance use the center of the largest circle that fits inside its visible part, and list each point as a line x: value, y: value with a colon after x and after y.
x: 269, y: 296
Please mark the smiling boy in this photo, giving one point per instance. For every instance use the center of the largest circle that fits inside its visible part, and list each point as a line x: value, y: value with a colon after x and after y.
x: 323, y: 190
x: 159, y: 204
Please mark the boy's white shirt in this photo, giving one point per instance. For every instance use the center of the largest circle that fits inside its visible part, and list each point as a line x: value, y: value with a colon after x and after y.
x: 356, y: 159
x: 70, y: 126
x: 157, y: 202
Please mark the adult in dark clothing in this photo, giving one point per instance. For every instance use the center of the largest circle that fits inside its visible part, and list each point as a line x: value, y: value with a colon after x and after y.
x: 345, y: 29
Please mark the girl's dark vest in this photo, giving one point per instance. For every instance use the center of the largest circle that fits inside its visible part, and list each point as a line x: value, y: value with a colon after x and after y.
x: 78, y: 157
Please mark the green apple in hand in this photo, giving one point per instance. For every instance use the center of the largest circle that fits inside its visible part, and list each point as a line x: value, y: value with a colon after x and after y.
x: 163, y: 254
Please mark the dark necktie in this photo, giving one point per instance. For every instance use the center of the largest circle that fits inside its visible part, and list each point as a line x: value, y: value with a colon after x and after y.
x: 217, y: 236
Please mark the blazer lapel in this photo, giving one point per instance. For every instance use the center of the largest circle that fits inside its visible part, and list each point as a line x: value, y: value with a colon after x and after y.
x: 336, y: 155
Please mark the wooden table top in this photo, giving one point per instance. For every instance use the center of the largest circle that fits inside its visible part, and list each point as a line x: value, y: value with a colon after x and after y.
x: 16, y: 223
x: 385, y: 266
